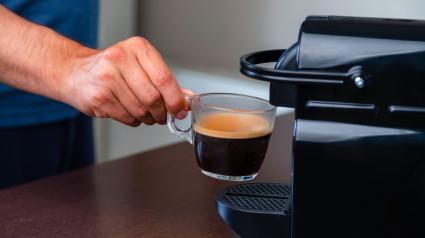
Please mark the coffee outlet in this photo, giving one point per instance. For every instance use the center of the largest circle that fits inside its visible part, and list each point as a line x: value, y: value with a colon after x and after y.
x: 358, y: 156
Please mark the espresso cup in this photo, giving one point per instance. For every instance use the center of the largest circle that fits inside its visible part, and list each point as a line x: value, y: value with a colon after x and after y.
x: 230, y: 133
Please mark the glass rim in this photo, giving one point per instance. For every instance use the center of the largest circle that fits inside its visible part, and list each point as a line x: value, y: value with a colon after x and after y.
x: 197, y: 99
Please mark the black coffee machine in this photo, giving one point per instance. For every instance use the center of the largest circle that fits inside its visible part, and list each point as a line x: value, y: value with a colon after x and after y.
x: 358, y: 89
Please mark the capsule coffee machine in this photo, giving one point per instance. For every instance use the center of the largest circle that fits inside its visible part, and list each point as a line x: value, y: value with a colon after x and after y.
x: 358, y: 89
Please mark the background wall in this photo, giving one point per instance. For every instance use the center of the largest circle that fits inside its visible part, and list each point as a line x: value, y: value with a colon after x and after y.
x: 202, y: 41
x: 216, y: 33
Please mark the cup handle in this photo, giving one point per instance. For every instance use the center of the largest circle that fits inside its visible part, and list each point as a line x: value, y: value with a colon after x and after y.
x: 185, y: 134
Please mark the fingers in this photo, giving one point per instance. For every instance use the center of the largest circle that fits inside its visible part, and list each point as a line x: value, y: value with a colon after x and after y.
x: 162, y: 79
x: 187, y: 91
x: 105, y: 105
x: 183, y: 114
x: 144, y: 100
x: 130, y: 103
x: 149, y: 98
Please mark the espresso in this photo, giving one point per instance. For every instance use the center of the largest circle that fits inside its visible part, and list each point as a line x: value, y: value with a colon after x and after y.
x: 231, y: 144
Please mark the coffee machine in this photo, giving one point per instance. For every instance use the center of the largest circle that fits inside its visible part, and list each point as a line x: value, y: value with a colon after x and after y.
x: 358, y: 89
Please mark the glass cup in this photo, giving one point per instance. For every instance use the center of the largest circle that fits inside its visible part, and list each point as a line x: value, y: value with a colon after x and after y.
x: 229, y: 132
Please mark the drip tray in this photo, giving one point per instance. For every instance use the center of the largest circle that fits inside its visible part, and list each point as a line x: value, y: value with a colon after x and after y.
x: 256, y: 209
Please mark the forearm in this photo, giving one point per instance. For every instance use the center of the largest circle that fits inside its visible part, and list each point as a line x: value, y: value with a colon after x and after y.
x: 35, y: 58
x: 129, y: 81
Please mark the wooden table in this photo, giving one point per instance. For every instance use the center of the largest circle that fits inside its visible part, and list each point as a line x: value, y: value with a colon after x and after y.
x: 160, y: 193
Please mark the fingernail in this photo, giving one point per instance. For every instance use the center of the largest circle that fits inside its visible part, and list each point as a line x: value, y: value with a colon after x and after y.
x: 181, y: 115
x: 186, y: 105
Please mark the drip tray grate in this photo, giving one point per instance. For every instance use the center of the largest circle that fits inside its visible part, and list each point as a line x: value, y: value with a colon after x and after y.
x: 256, y: 209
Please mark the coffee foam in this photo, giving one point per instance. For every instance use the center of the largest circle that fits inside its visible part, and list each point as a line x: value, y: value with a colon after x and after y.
x: 233, y: 125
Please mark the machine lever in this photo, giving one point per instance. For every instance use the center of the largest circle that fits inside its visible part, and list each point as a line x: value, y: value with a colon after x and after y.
x: 248, y: 67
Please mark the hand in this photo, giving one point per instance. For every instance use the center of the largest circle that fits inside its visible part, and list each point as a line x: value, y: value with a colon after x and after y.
x: 128, y: 82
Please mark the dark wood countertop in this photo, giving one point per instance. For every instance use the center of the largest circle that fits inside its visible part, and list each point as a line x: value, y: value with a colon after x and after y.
x: 160, y: 193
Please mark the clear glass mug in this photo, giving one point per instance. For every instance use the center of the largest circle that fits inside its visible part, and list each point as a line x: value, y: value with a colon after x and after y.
x: 229, y: 132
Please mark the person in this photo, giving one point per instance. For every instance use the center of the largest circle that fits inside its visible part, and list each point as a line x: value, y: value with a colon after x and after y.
x: 54, y: 80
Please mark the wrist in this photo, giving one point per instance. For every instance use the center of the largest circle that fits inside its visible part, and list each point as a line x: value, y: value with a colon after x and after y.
x: 75, y: 72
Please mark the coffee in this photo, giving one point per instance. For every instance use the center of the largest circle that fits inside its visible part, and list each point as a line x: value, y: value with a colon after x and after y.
x: 229, y: 132
x: 232, y: 144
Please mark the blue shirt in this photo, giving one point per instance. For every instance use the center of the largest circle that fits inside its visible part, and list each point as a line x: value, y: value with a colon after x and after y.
x: 75, y: 19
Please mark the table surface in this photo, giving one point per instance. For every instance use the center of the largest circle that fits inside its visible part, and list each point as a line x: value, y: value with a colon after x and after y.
x: 160, y: 193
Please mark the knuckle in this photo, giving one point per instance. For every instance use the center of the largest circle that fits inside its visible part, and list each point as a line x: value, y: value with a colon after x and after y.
x: 115, y: 54
x: 176, y: 103
x: 162, y: 120
x: 154, y: 98
x: 149, y: 122
x: 147, y: 119
x: 104, y: 74
x: 135, y: 123
x: 99, y: 99
x: 141, y: 112
x: 138, y: 42
x: 163, y: 78
x: 128, y: 120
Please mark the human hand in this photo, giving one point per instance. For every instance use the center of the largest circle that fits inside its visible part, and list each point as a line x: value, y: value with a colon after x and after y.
x: 128, y: 82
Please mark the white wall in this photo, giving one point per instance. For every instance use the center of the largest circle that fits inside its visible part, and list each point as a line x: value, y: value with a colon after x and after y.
x: 202, y: 41
x: 218, y: 32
